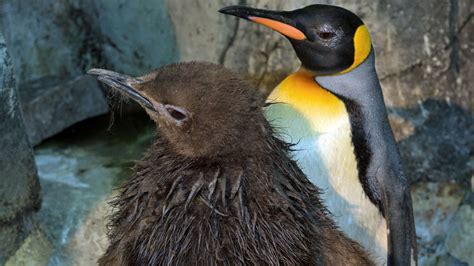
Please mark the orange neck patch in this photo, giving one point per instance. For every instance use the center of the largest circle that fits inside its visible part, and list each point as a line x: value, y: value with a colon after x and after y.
x: 303, y: 93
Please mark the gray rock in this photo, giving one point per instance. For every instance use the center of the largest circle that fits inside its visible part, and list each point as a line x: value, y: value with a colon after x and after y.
x: 441, y: 146
x: 54, y: 43
x: 65, y: 38
x: 441, y: 260
x: 435, y: 206
x: 48, y: 38
x: 460, y: 236
x: 35, y: 250
x: 19, y: 186
x: 439, y: 150
x: 140, y: 35
x: 48, y: 109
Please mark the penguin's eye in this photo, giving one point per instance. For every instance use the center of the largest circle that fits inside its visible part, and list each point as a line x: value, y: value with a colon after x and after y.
x: 326, y: 35
x: 176, y: 114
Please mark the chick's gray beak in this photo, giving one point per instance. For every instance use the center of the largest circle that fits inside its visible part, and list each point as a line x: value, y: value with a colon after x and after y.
x: 123, y: 83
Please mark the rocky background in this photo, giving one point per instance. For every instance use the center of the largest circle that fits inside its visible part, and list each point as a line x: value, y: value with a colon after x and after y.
x: 19, y: 186
x: 424, y: 52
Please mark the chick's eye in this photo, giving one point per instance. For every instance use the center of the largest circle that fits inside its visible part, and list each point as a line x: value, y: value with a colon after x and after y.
x: 326, y: 35
x: 178, y: 115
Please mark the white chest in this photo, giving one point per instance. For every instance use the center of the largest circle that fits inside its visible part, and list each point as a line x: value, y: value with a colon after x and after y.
x: 326, y: 156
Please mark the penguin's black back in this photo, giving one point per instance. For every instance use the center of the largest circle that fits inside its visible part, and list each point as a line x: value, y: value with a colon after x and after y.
x: 255, y: 209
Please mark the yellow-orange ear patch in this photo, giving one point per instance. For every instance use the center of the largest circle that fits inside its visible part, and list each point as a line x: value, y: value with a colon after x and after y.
x: 281, y: 27
x: 362, y: 47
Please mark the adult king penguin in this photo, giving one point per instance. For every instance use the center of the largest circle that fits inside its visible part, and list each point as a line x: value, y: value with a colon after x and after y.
x: 333, y: 109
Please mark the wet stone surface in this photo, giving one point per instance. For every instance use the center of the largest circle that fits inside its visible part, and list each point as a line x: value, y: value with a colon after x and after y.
x: 436, y: 141
x: 19, y: 186
x: 78, y: 170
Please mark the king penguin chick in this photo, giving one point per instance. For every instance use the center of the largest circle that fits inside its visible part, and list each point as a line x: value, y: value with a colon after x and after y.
x: 333, y: 108
x: 216, y: 187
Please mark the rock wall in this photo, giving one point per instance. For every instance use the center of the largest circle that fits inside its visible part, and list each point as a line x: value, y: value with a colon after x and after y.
x: 436, y: 142
x: 424, y: 48
x: 139, y: 34
x: 55, y: 42
x: 52, y: 44
x: 19, y: 186
x: 50, y: 107
x: 63, y: 39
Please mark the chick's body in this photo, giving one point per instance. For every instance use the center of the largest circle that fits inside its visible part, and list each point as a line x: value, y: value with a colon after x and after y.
x: 218, y: 188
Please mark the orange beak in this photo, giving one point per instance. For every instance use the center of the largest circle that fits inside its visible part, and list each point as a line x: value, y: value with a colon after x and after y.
x: 285, y: 29
x: 273, y: 19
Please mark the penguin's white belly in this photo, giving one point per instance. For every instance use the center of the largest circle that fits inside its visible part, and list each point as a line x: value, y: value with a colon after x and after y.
x: 328, y: 159
x: 329, y: 162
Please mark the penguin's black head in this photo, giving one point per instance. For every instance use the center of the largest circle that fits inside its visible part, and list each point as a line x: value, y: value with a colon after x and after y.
x: 327, y: 39
x: 202, y: 109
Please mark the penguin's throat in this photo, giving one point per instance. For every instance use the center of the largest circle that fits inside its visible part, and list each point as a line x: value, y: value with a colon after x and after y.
x: 300, y: 91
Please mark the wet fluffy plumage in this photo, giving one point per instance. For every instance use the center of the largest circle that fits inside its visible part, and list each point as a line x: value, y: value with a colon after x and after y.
x: 248, y: 205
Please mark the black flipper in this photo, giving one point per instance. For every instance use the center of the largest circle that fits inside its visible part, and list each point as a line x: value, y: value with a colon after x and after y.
x: 395, y: 192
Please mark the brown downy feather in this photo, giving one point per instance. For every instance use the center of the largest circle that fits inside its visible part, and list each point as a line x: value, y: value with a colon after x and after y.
x: 258, y: 210
x: 220, y: 190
